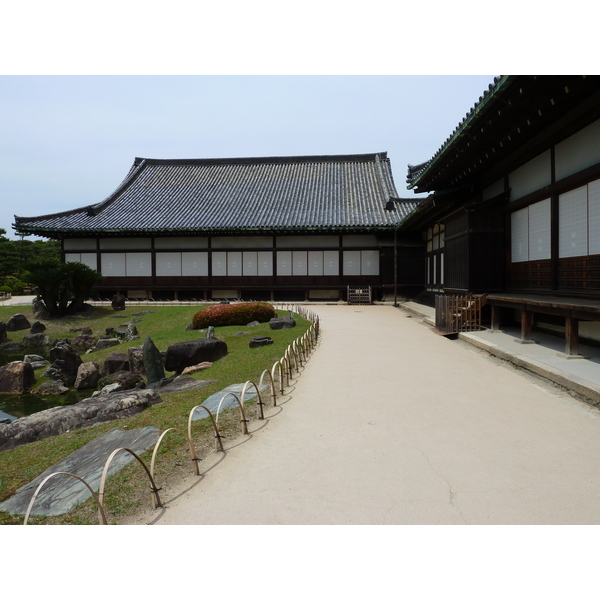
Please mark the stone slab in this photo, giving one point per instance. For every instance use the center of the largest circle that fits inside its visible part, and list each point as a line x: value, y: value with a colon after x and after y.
x: 63, y: 493
x: 212, y: 402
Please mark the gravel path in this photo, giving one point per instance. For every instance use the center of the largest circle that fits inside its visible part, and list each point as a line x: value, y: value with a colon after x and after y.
x: 392, y: 424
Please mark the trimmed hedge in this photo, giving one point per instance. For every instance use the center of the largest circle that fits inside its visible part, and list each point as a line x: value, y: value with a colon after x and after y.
x: 233, y: 314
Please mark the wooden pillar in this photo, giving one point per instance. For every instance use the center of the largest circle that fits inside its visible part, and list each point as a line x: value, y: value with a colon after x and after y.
x: 526, y: 326
x: 495, y: 318
x: 571, y: 336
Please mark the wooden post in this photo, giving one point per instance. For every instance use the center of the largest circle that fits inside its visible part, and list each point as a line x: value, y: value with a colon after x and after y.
x: 571, y: 336
x: 526, y: 326
x: 495, y: 318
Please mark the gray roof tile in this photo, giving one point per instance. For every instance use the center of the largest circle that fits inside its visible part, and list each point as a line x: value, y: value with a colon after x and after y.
x: 225, y: 195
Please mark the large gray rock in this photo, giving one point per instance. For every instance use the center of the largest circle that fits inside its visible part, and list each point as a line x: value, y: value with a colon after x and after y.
x: 282, y: 323
x: 52, y: 388
x: 83, y: 342
x: 57, y: 420
x: 126, y: 380
x: 118, y: 302
x: 103, y: 343
x: 116, y: 361
x: 136, y: 360
x: 153, y: 362
x: 17, y: 323
x: 36, y: 339
x: 256, y: 341
x: 37, y: 327
x: 88, y: 375
x: 16, y: 377
x: 186, y: 354
x: 127, y: 332
x: 65, y: 363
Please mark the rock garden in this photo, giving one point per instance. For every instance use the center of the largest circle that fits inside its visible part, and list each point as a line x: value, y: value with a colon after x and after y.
x: 126, y: 364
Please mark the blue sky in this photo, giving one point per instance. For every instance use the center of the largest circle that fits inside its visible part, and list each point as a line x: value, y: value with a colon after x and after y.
x: 68, y: 141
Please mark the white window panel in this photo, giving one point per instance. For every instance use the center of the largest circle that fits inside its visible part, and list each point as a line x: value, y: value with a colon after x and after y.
x: 234, y: 263
x: 539, y: 230
x: 194, y: 264
x: 113, y: 264
x: 284, y: 262
x: 369, y: 262
x: 219, y: 264
x: 519, y: 230
x: 594, y: 217
x: 168, y: 264
x: 315, y: 262
x: 572, y: 219
x: 250, y: 264
x: 265, y: 263
x: 72, y: 257
x: 352, y: 262
x: 299, y: 263
x: 138, y: 264
x: 331, y: 262
x: 89, y: 259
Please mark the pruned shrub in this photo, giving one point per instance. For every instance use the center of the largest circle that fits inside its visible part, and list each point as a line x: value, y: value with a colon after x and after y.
x: 233, y: 314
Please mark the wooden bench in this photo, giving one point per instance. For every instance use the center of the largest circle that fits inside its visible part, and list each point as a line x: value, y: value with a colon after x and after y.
x: 572, y: 309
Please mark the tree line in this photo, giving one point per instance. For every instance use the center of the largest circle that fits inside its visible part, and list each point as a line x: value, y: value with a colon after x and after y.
x: 15, y: 255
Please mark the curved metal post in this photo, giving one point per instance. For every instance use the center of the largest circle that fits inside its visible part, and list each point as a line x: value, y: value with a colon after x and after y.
x: 286, y: 370
x: 101, y: 516
x: 260, y: 402
x: 243, y: 420
x: 155, y: 497
x: 272, y: 384
x: 274, y: 368
x: 193, y: 457
x: 212, y: 418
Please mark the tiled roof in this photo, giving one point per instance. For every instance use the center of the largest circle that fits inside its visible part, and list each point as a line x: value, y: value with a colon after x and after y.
x: 342, y: 192
x: 509, y: 116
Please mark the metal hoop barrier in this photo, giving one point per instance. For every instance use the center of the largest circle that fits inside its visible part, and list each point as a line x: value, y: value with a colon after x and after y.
x: 278, y: 367
x: 193, y: 457
x: 155, y: 497
x: 271, y: 384
x: 101, y: 516
x: 283, y: 361
x: 212, y: 418
x: 243, y: 420
x: 296, y: 353
x: 288, y: 360
x: 260, y: 402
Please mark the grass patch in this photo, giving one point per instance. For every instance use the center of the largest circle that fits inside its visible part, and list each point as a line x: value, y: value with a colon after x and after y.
x: 128, y: 489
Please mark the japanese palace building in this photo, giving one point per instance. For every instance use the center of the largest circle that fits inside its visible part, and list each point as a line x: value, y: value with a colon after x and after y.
x: 282, y: 228
x: 513, y: 211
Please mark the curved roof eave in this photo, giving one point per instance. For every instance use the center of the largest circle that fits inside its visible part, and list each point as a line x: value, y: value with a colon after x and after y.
x: 488, y: 97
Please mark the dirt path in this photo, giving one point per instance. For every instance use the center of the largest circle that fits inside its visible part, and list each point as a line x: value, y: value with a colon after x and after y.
x: 391, y: 424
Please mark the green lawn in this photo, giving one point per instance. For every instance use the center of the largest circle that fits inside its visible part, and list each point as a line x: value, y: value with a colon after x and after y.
x: 165, y: 325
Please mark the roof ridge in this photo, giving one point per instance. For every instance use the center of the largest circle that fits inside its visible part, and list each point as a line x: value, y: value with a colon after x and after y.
x: 263, y: 159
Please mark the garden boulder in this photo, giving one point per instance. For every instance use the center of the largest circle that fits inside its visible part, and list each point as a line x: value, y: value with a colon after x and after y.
x: 282, y: 323
x: 17, y: 323
x: 186, y: 354
x: 16, y: 377
x: 65, y: 363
